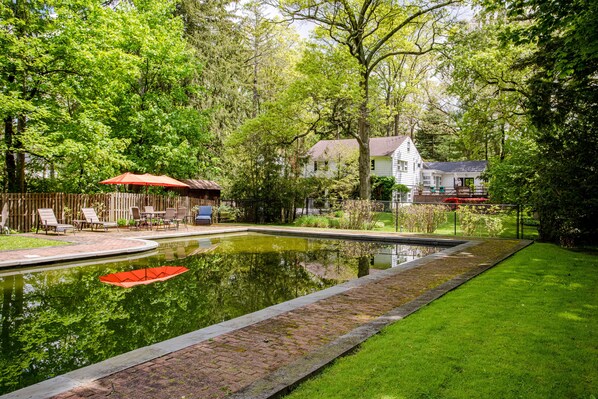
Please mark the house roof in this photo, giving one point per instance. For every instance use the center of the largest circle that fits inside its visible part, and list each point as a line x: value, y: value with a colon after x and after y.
x: 195, y: 184
x: 379, y: 147
x: 452, y: 167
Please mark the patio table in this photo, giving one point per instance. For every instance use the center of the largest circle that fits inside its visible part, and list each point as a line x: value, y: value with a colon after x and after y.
x: 150, y: 215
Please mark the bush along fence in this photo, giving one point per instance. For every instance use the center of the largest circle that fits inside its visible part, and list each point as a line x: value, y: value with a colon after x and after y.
x: 110, y: 207
x: 473, y: 220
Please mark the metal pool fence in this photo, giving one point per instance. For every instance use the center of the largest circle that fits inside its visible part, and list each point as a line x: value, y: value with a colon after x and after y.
x: 485, y: 220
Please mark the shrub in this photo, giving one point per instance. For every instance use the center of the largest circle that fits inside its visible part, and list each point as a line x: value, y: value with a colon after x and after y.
x: 421, y: 218
x: 359, y: 214
x: 312, y: 221
x: 474, y: 219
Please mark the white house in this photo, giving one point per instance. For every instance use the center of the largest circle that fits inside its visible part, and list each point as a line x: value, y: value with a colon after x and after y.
x: 448, y: 176
x: 390, y: 156
x: 397, y: 156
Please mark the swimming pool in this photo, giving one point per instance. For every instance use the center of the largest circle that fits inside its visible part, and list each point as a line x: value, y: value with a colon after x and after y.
x: 58, y: 319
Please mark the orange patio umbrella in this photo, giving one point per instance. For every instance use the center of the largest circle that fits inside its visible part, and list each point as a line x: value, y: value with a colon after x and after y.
x: 142, y: 276
x: 146, y: 179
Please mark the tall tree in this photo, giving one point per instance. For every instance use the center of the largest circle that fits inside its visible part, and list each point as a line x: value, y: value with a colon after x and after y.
x: 90, y: 89
x: 214, y: 30
x: 563, y: 106
x: 366, y: 28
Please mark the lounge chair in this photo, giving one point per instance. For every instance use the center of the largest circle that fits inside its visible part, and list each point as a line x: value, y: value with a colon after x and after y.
x: 93, y: 220
x: 204, y: 215
x: 47, y: 221
x: 4, y: 223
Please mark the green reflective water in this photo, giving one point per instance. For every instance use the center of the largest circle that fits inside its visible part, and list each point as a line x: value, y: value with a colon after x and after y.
x: 60, y: 319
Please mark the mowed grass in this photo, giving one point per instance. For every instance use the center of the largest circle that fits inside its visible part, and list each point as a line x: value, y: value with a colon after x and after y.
x: 15, y: 241
x: 527, y: 328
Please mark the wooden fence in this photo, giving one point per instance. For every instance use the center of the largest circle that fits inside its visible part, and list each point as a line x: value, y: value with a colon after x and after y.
x: 22, y: 208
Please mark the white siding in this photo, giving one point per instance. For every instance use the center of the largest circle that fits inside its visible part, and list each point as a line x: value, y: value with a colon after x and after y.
x: 407, y: 154
x: 383, y: 166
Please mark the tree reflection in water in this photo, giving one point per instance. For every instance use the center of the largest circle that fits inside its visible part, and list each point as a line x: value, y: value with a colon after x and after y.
x: 55, y: 321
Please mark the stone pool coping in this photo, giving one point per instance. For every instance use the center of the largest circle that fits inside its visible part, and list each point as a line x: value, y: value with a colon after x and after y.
x: 271, y: 381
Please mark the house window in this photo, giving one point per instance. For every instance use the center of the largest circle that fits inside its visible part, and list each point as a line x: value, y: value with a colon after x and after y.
x: 408, y: 145
x: 373, y: 164
x: 403, y: 166
x: 315, y: 166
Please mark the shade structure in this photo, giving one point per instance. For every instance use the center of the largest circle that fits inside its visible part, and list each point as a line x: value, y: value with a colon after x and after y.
x: 142, y: 276
x: 146, y: 179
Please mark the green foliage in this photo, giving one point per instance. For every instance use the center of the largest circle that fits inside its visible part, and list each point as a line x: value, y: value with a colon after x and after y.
x: 562, y: 102
x: 227, y: 212
x: 421, y: 218
x: 110, y: 88
x: 313, y: 221
x: 511, y: 180
x: 359, y: 214
x: 382, y: 187
x: 263, y: 168
x: 337, y: 180
x: 479, y: 219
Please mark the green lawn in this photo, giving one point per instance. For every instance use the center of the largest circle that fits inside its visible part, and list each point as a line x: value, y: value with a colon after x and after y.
x: 448, y: 228
x: 526, y: 329
x: 15, y: 241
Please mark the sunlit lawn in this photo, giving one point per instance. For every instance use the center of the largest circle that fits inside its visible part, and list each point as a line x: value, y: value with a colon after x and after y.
x: 526, y: 329
x: 16, y: 241
x: 448, y: 228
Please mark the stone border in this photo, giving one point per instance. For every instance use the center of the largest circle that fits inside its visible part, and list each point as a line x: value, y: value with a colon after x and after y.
x: 285, y: 377
x: 146, y: 244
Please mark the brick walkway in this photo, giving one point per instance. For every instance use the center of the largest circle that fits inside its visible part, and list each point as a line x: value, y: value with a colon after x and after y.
x: 232, y: 362
x: 92, y: 244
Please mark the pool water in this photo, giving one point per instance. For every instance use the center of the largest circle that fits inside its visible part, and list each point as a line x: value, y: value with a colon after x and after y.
x: 55, y: 320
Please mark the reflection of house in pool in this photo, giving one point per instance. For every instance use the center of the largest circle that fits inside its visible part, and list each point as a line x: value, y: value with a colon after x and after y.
x: 394, y: 255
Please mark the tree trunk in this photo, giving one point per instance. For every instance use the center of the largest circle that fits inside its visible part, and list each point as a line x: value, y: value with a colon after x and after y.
x: 364, y: 143
x: 20, y: 154
x: 9, y: 156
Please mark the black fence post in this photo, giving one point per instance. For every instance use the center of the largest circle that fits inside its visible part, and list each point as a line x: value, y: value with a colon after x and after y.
x: 396, y: 205
x: 519, y: 224
x: 455, y: 221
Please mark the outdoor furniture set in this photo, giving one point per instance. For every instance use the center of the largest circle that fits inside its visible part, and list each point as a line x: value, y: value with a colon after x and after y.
x: 168, y: 219
x: 171, y: 218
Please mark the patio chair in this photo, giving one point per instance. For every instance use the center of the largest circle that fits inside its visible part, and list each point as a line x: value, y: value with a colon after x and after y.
x: 4, y: 223
x: 135, y: 215
x: 91, y: 218
x: 47, y: 221
x: 181, y: 216
x: 204, y: 215
x: 168, y: 221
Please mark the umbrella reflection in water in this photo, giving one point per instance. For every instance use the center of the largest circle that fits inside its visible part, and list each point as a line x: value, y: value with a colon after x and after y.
x: 142, y: 276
